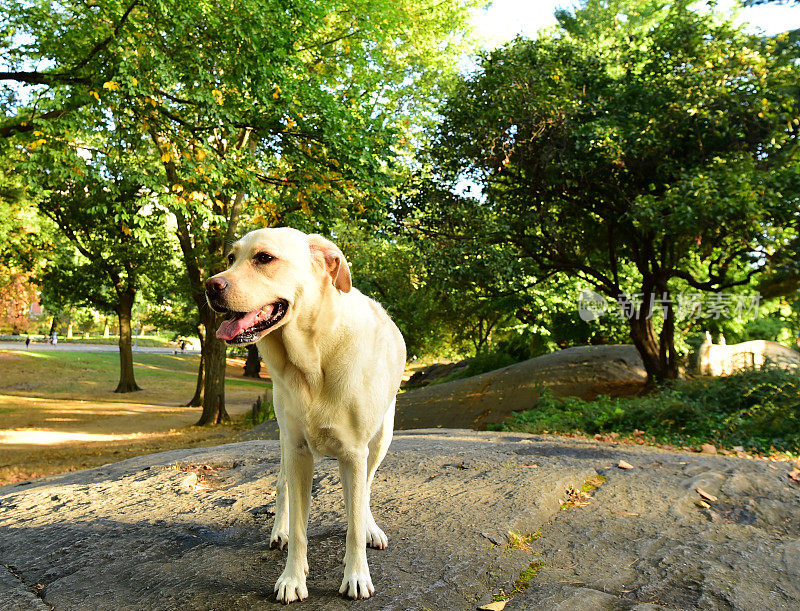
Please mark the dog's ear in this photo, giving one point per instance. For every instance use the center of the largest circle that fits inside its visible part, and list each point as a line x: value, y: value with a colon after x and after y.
x: 335, y: 263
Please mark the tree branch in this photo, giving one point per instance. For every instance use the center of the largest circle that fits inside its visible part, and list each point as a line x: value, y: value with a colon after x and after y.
x: 104, y: 43
x: 43, y: 78
x: 29, y: 125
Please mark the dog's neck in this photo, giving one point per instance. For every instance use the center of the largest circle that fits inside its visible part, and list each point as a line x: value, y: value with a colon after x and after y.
x: 295, y: 352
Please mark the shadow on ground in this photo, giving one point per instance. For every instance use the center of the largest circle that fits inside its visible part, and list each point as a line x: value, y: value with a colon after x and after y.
x: 189, y: 529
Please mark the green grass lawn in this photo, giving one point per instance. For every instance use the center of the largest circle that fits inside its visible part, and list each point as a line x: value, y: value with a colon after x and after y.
x: 63, y: 395
x: 98, y: 370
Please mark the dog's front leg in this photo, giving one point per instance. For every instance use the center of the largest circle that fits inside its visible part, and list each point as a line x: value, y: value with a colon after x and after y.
x: 280, y: 529
x: 298, y: 471
x: 353, y: 470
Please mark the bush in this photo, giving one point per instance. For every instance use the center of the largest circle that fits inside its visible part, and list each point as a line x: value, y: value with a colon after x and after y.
x: 489, y: 361
x: 759, y: 410
x: 260, y: 412
x: 478, y: 364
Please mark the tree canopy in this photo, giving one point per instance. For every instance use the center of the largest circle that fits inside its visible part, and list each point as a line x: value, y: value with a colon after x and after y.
x: 237, y: 113
x: 641, y: 146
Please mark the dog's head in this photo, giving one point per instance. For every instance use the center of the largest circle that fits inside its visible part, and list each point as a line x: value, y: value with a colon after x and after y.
x: 273, y: 274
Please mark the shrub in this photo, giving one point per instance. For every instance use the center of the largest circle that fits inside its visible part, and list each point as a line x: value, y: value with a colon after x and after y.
x: 488, y: 361
x: 260, y: 412
x: 759, y: 410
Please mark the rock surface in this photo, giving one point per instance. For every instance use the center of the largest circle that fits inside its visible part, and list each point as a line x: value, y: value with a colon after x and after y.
x: 189, y: 529
x: 583, y: 371
x: 725, y: 359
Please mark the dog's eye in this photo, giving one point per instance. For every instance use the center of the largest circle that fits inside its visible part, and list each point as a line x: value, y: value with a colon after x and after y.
x: 231, y: 258
x: 264, y: 257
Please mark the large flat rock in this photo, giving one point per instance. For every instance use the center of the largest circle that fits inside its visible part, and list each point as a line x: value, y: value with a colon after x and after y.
x: 135, y: 534
x: 491, y: 397
x: 582, y: 371
x: 147, y: 534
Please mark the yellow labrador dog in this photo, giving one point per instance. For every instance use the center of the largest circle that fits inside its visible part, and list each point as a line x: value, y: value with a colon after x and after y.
x: 336, y: 361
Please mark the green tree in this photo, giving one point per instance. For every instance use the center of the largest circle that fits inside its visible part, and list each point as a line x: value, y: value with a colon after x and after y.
x: 256, y: 109
x: 115, y: 241
x: 636, y: 136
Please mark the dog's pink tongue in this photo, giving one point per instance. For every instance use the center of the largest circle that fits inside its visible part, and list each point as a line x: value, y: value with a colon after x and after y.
x: 231, y: 328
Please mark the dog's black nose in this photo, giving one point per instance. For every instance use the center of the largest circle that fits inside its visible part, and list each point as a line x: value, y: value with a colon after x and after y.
x: 216, y: 285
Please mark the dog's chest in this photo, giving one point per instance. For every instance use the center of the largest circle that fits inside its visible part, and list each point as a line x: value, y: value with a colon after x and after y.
x: 321, y: 424
x: 326, y: 441
x: 323, y: 437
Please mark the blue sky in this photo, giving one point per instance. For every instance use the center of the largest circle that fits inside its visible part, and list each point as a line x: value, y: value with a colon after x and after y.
x: 504, y: 19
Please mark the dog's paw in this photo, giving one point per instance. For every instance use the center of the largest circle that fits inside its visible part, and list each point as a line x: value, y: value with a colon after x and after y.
x: 357, y: 584
x: 279, y: 539
x: 376, y: 537
x: 290, y: 587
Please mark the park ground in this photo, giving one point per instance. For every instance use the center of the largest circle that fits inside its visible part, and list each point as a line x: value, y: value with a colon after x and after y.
x: 59, y: 412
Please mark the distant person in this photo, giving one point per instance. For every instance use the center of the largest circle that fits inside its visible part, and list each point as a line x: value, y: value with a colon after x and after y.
x: 28, y: 342
x: 55, y: 339
x: 183, y: 346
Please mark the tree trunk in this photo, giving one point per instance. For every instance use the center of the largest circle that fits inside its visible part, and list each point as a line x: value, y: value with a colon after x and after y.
x: 127, y: 383
x: 214, y: 382
x: 643, y: 338
x: 667, y: 357
x: 658, y: 355
x: 197, y: 399
x: 53, y: 326
x: 252, y: 366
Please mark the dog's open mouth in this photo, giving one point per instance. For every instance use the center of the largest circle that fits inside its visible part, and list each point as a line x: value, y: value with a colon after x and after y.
x: 247, y: 327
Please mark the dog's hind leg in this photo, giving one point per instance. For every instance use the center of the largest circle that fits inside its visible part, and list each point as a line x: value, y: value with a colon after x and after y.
x: 377, y: 451
x: 280, y: 529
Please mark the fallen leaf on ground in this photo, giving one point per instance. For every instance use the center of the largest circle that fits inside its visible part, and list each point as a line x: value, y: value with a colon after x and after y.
x: 625, y: 513
x: 707, y: 448
x: 497, y: 605
x: 624, y: 465
x: 189, y: 482
x: 706, y: 495
x: 795, y: 475
x: 703, y: 504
